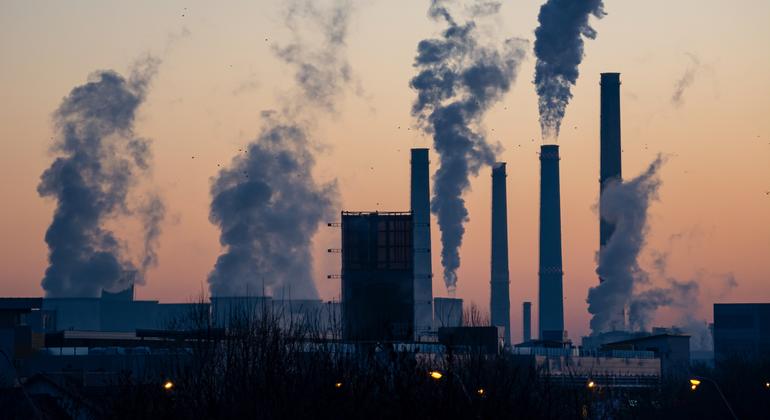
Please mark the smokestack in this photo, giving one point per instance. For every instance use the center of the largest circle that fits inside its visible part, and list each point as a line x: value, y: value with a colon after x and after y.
x: 527, y: 321
x: 551, y: 305
x: 609, y: 138
x: 500, y: 305
x: 423, y: 275
x: 610, y: 160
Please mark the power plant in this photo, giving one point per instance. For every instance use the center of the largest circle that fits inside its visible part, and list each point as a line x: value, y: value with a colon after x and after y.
x: 551, y: 297
x: 386, y: 295
x: 499, y: 302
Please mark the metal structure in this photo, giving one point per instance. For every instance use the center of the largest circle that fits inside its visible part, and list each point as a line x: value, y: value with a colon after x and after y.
x: 499, y: 302
x: 377, y: 276
x: 423, y: 273
x: 551, y: 304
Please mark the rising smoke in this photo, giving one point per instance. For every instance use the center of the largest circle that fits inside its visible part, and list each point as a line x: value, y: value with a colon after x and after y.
x: 624, y: 204
x: 684, y: 82
x: 559, y: 51
x: 459, y: 79
x: 626, y: 285
x: 266, y: 203
x: 100, y: 163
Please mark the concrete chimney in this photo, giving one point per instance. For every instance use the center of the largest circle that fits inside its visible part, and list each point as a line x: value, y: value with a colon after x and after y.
x: 609, y: 154
x: 526, y: 331
x: 609, y: 138
x: 423, y: 275
x: 551, y: 304
x: 500, y: 305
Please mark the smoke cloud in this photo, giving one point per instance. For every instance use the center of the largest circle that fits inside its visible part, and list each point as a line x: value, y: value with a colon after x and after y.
x: 266, y: 203
x: 625, y: 205
x: 677, y: 98
x: 559, y: 51
x: 459, y: 79
x: 100, y: 161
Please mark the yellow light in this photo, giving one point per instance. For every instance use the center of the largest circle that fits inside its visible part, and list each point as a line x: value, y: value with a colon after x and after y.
x: 693, y: 387
x: 694, y: 382
x: 591, y: 384
x: 168, y: 385
x: 480, y: 391
x: 338, y: 385
x: 767, y: 385
x: 435, y: 374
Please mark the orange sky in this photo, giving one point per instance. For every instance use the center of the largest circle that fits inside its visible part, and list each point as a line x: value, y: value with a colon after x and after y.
x: 214, y: 81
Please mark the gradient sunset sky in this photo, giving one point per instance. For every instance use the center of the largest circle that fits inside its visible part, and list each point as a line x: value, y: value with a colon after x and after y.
x: 218, y: 73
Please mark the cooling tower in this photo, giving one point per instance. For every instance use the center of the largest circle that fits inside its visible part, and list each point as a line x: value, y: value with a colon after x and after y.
x: 526, y: 317
x: 499, y: 305
x: 423, y: 277
x: 609, y: 137
x: 551, y: 305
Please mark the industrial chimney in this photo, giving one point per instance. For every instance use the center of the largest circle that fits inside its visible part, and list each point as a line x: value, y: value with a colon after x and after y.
x: 526, y: 317
x: 609, y: 137
x: 500, y: 305
x: 551, y: 305
x: 609, y: 151
x: 423, y: 277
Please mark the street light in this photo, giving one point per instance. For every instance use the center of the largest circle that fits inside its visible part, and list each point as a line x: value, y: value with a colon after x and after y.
x: 338, y: 385
x: 695, y: 382
x: 591, y: 384
x: 435, y: 374
x: 168, y: 385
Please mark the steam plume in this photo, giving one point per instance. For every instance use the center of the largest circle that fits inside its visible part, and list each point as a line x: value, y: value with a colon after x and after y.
x: 99, y: 164
x: 559, y: 51
x: 266, y: 203
x: 459, y: 79
x: 625, y: 205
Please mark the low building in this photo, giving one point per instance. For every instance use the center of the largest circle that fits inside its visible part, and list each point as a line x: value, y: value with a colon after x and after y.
x: 448, y: 312
x: 673, y: 350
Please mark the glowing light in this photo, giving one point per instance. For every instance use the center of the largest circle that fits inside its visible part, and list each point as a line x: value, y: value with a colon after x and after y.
x: 338, y: 385
x: 168, y: 385
x: 436, y: 374
x: 591, y: 384
x: 693, y: 387
x: 480, y: 391
x: 695, y: 382
x: 767, y: 385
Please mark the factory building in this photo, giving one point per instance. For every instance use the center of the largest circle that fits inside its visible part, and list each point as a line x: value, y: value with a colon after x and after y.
x: 448, y: 312
x: 741, y: 330
x: 377, y: 276
x: 673, y: 350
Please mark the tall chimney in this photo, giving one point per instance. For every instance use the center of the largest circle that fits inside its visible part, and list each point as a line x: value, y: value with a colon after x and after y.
x: 551, y: 307
x: 423, y: 276
x: 610, y: 160
x: 500, y: 305
x: 526, y: 317
x: 609, y: 137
